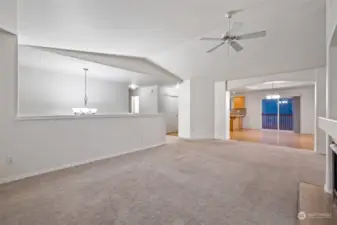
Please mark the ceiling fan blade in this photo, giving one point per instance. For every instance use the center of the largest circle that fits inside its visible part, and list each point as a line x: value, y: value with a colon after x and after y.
x: 252, y: 35
x: 233, y: 12
x: 210, y: 39
x: 237, y: 47
x: 216, y: 47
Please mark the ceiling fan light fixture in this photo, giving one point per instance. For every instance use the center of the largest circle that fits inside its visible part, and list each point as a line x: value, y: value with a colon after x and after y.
x: 230, y: 38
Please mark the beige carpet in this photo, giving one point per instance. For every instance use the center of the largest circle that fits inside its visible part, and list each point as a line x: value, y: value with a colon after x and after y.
x: 187, y: 183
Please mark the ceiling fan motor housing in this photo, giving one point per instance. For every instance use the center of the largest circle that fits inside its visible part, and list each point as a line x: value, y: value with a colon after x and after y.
x: 230, y: 38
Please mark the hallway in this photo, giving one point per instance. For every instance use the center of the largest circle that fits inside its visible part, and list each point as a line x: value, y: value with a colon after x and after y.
x: 272, y: 137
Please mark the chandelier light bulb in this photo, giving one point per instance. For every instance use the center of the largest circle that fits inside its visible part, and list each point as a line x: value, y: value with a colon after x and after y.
x: 133, y: 86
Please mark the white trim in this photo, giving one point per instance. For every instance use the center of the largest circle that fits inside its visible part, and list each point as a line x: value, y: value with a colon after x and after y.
x: 329, y: 126
x: 77, y: 117
x: 197, y: 139
x: 327, y: 190
x: 334, y: 148
x: 332, y: 37
x: 37, y: 173
x: 316, y: 115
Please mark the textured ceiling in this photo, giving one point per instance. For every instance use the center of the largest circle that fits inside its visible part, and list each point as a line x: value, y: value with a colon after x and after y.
x: 167, y: 32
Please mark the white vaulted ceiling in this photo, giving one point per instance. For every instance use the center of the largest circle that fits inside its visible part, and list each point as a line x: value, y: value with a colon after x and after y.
x: 44, y: 60
x: 273, y: 85
x: 167, y: 32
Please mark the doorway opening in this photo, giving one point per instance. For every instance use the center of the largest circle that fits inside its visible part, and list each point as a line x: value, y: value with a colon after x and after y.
x: 135, y: 104
x: 283, y: 119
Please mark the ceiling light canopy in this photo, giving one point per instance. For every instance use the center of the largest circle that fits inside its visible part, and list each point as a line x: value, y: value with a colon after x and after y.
x: 133, y: 86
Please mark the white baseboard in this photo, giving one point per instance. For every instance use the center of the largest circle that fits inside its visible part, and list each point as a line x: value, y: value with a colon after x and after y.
x: 198, y: 139
x: 328, y: 190
x: 33, y: 174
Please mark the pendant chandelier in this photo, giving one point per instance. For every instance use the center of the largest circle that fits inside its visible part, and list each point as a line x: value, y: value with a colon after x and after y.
x: 273, y: 96
x: 85, y: 110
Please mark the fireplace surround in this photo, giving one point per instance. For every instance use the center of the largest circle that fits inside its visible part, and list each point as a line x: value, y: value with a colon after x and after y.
x: 334, y: 171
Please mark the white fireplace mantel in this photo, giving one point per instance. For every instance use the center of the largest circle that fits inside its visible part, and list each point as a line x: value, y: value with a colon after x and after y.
x: 329, y: 126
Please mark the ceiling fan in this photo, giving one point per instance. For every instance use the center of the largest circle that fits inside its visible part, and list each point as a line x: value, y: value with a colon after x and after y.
x: 230, y: 38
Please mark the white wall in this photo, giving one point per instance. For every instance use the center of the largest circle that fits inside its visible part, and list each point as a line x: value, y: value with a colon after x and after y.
x: 221, y: 111
x: 320, y: 101
x: 8, y: 15
x: 253, y: 120
x: 168, y: 106
x: 43, y: 145
x: 148, y: 99
x: 8, y: 94
x: 196, y: 109
x: 49, y: 93
x: 332, y: 81
x: 38, y: 146
x: 162, y: 99
x: 184, y: 109
x: 331, y: 18
x: 202, y: 108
